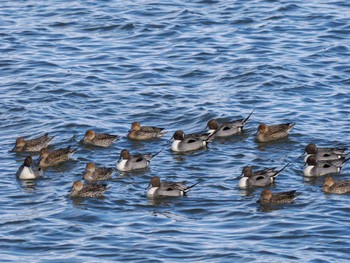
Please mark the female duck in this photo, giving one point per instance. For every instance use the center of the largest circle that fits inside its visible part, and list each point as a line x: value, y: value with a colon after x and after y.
x: 274, y: 132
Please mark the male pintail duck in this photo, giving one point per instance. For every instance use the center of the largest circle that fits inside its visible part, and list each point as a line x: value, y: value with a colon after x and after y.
x: 190, y: 142
x: 32, y: 145
x: 228, y: 128
x: 128, y: 162
x: 158, y: 188
x: 267, y: 197
x: 87, y: 190
x: 336, y: 187
x: 94, y: 173
x: 51, y: 158
x: 28, y: 171
x: 138, y: 132
x: 324, y: 153
x: 258, y: 178
x: 99, y: 139
x: 274, y: 132
x: 319, y: 168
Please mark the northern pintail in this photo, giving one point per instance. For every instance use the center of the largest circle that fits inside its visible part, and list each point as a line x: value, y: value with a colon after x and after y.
x: 228, y: 128
x: 171, y: 189
x: 319, y: 168
x: 32, y: 145
x: 138, y: 132
x: 190, y: 142
x: 128, y: 162
x: 51, y: 158
x: 274, y: 132
x: 29, y: 171
x: 267, y: 197
x: 99, y: 139
x: 258, y: 178
x: 94, y: 173
x: 87, y: 190
x: 336, y: 187
x: 324, y: 153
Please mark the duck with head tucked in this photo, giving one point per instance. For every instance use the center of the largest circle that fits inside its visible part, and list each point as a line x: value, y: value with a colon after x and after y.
x: 141, y: 133
x: 51, y: 158
x: 32, y: 145
x: 332, y: 186
x: 87, y: 190
x: 99, y: 139
x: 94, y: 173
x: 267, y: 197
x: 227, y: 129
x: 29, y: 171
x: 170, y: 189
x: 268, y: 133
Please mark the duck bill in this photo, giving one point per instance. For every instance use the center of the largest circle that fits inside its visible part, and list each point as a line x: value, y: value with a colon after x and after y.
x: 149, y: 186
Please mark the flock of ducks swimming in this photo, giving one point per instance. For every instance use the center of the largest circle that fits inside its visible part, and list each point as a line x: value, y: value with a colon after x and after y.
x: 318, y: 161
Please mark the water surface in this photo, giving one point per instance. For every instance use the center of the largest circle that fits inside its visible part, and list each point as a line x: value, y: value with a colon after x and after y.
x: 69, y: 66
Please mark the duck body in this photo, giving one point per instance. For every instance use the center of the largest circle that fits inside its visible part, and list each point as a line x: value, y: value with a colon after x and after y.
x: 29, y: 171
x: 55, y: 157
x: 32, y: 145
x: 167, y: 189
x: 191, y: 142
x: 274, y: 132
x: 267, y: 197
x: 142, y: 133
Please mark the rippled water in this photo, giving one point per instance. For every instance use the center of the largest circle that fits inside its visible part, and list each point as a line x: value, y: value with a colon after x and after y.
x: 68, y: 66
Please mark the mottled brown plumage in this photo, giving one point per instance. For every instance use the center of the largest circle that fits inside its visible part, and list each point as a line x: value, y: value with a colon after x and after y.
x: 32, y: 145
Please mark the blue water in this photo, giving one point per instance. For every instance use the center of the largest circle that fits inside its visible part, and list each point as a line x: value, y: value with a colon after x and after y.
x: 68, y: 66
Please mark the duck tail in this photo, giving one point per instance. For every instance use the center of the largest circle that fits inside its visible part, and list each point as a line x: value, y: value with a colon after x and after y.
x: 347, y: 159
x: 153, y: 155
x: 246, y: 119
x: 188, y: 188
x: 211, y: 136
x: 278, y: 172
x: 291, y: 125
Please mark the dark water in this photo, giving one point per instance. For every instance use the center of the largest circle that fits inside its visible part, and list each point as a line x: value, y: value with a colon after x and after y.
x: 68, y: 66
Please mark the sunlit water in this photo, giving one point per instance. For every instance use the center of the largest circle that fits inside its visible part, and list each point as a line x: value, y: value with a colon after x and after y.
x: 68, y: 66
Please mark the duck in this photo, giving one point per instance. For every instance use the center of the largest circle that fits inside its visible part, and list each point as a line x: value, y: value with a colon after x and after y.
x: 336, y: 187
x: 29, y: 171
x: 323, y: 154
x: 167, y: 189
x: 94, y: 173
x: 141, y: 133
x: 87, y: 190
x: 259, y: 178
x: 32, y: 145
x: 267, y: 197
x: 319, y: 168
x: 227, y: 128
x: 128, y: 162
x: 99, y: 139
x: 51, y: 158
x: 274, y: 132
x: 191, y: 142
